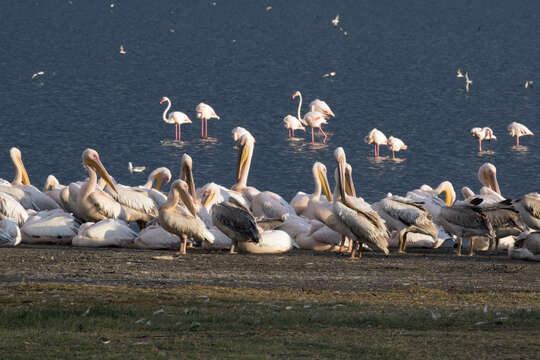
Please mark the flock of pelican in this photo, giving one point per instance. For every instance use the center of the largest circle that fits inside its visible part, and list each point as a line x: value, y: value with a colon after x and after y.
x: 100, y: 212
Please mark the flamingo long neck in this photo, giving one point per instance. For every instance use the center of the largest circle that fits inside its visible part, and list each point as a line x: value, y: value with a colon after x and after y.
x: 172, y: 200
x: 299, y: 106
x: 90, y: 185
x: 166, y: 109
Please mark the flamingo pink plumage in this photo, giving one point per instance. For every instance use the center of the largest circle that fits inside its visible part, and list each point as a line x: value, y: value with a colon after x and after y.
x: 175, y: 117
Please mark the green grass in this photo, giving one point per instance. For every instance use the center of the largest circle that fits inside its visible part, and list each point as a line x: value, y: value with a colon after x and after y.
x: 60, y: 321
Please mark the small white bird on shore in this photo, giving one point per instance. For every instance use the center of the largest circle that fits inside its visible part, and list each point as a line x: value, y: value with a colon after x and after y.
x: 133, y: 169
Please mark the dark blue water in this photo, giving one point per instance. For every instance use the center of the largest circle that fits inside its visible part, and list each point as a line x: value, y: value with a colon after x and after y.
x: 395, y: 71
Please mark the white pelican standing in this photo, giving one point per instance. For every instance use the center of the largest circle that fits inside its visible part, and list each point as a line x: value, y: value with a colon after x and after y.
x: 175, y: 117
x: 313, y: 119
x: 377, y: 138
x: 468, y: 82
x: 395, y: 145
x: 292, y: 123
x: 362, y: 226
x: 182, y: 221
x: 205, y: 112
x: 516, y: 129
x: 94, y: 204
x: 484, y: 133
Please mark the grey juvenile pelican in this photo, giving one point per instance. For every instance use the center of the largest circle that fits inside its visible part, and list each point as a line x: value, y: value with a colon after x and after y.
x: 362, y: 225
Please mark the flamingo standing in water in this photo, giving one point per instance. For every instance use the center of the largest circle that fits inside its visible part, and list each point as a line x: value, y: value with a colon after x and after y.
x: 313, y: 119
x: 205, y: 112
x: 175, y: 117
x: 292, y: 123
x: 377, y: 138
x: 395, y: 144
x: 516, y: 129
x: 482, y: 134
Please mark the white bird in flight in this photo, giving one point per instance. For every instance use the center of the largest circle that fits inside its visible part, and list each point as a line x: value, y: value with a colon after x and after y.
x: 122, y: 49
x: 39, y: 73
x: 459, y: 73
x: 468, y: 81
x: 335, y: 21
x: 133, y: 169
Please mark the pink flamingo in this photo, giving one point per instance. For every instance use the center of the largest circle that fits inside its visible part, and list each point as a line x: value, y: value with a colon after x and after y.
x: 395, y: 144
x: 313, y: 119
x: 292, y: 123
x: 175, y: 117
x: 205, y: 112
x: 516, y: 129
x: 482, y: 134
x: 376, y: 137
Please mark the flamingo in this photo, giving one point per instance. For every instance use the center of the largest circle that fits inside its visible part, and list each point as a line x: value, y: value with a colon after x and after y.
x: 322, y: 107
x: 292, y: 123
x: 176, y: 117
x: 516, y: 129
x: 376, y: 137
x: 313, y: 119
x: 483, y: 134
x: 395, y: 144
x: 205, y: 112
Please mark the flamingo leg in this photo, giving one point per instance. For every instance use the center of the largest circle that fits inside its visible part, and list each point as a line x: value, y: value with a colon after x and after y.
x: 374, y: 150
x: 205, y: 128
x: 312, y: 138
x: 321, y: 130
x: 393, y: 155
x: 202, y: 128
x: 292, y: 132
x: 479, y: 145
x: 517, y: 141
x: 179, y: 133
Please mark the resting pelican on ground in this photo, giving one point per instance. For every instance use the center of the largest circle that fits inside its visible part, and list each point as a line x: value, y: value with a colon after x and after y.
x: 377, y: 138
x: 516, y: 129
x: 404, y: 215
x: 182, y: 221
x: 481, y: 134
x: 93, y: 204
x: 205, y: 112
x: 313, y: 119
x: 301, y: 200
x: 175, y: 117
x: 395, y: 145
x: 50, y: 226
x: 292, y: 123
x: 105, y: 233
x: 11, y: 208
x: 156, y: 237
x: 53, y: 189
x: 10, y: 235
x: 527, y: 246
x: 361, y: 226
x: 529, y: 209
x: 21, y: 189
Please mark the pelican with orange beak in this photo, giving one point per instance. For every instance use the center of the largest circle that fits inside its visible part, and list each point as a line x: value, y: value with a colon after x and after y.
x: 94, y: 204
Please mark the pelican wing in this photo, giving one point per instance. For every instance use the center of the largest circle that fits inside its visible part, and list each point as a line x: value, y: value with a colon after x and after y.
x: 135, y: 199
x: 235, y: 222
x: 11, y: 208
x: 531, y: 204
x: 104, y: 204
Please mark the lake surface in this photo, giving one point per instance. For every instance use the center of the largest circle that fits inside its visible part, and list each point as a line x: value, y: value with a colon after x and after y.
x: 395, y: 70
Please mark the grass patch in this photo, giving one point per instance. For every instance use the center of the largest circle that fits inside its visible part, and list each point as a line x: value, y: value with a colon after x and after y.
x: 59, y: 321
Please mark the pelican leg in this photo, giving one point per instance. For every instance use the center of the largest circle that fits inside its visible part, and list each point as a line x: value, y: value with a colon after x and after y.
x: 471, y: 246
x: 460, y: 244
x: 341, y: 243
x: 233, y: 247
x: 359, y: 249
x: 353, y: 249
x: 402, y: 240
x: 183, y: 243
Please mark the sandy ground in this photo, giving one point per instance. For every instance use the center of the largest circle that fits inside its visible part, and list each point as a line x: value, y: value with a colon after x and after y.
x: 300, y: 269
